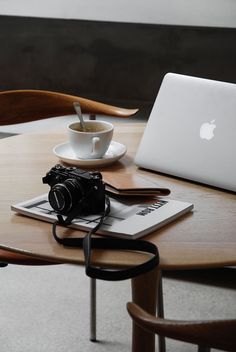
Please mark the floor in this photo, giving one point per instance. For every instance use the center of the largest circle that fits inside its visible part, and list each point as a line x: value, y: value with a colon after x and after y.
x: 46, y: 309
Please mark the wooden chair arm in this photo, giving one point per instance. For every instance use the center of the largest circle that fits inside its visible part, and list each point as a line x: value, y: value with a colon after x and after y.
x: 17, y: 106
x: 219, y: 334
x: 21, y: 259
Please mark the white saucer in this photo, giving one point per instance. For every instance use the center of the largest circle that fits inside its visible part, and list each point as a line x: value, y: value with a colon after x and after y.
x: 65, y: 153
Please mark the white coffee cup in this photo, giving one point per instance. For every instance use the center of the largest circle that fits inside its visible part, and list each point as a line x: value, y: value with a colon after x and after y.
x: 94, y: 142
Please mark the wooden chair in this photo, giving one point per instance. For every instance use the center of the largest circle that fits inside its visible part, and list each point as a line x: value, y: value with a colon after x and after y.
x: 19, y: 106
x: 219, y: 334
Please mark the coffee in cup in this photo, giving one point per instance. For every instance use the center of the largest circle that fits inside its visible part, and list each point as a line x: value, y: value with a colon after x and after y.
x: 93, y: 142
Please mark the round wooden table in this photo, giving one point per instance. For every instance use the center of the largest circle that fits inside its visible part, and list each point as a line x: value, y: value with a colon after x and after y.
x: 203, y: 238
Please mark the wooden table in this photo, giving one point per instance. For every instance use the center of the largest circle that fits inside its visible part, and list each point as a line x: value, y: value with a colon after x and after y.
x: 204, y: 238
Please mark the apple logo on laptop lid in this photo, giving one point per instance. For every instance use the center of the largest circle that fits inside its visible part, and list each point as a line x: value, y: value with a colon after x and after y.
x: 207, y: 130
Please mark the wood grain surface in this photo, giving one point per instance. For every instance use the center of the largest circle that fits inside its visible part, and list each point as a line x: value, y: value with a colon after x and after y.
x: 201, y: 239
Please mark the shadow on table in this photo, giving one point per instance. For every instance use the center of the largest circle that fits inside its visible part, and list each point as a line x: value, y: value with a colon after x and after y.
x: 5, y: 134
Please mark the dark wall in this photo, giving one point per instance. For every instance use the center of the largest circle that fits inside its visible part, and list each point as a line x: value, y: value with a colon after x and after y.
x: 115, y: 62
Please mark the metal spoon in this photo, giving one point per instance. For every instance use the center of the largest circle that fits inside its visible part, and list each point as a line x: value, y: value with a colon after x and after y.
x: 79, y: 113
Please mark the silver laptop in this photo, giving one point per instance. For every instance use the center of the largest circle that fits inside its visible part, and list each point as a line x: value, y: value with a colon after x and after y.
x: 191, y: 132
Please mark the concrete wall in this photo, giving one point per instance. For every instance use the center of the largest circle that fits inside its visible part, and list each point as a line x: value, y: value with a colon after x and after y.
x: 114, y: 50
x: 109, y: 60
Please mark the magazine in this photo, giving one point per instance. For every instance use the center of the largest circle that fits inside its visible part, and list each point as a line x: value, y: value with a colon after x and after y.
x: 128, y: 218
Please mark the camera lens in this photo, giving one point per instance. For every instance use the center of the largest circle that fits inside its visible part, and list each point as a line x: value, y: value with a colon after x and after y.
x: 64, y: 196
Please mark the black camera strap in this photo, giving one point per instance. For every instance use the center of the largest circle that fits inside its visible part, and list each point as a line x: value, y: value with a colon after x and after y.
x: 88, y: 244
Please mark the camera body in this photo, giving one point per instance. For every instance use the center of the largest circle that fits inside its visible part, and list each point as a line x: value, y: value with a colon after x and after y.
x: 74, y: 189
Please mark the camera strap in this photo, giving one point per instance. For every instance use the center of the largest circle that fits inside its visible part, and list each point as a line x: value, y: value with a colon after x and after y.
x: 88, y: 243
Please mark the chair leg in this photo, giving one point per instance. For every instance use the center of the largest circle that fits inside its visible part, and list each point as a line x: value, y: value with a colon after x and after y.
x: 160, y: 312
x: 93, y: 313
x: 93, y: 293
x: 203, y: 349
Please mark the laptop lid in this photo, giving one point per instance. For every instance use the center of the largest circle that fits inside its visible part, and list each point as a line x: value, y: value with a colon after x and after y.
x: 191, y: 132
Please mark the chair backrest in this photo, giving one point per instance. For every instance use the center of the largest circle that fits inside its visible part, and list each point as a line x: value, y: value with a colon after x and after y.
x: 17, y: 106
x: 220, y: 334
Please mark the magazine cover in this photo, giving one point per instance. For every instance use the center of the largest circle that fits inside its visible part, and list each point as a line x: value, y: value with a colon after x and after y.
x: 128, y: 218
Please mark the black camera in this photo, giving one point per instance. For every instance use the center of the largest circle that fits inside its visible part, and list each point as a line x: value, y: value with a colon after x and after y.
x: 73, y: 188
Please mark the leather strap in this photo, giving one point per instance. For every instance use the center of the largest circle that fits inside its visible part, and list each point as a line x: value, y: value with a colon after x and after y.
x: 88, y: 244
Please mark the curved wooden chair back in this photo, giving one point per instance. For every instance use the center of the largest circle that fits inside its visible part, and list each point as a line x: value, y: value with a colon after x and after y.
x: 17, y: 106
x: 219, y: 334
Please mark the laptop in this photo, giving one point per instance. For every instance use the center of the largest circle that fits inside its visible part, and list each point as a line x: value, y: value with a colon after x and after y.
x: 191, y: 131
